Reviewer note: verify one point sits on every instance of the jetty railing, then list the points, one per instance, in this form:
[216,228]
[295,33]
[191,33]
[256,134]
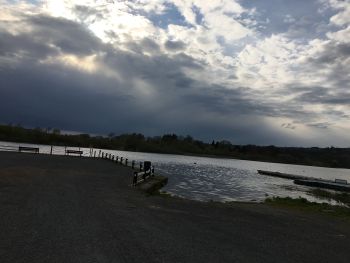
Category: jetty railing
[145,169]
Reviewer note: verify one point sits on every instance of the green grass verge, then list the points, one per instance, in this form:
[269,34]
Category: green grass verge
[305,205]
[332,195]
[162,193]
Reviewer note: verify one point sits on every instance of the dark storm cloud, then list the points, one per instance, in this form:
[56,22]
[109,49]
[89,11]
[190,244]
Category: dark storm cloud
[331,54]
[85,12]
[321,125]
[11,44]
[67,35]
[56,95]
[336,113]
[321,95]
[288,126]
[174,45]
[331,60]
[144,45]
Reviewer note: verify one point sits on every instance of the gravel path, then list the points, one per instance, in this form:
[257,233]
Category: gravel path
[71,209]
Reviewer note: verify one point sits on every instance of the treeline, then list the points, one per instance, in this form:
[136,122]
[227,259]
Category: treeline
[171,143]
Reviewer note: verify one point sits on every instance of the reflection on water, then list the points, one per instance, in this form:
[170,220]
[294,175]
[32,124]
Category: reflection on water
[218,179]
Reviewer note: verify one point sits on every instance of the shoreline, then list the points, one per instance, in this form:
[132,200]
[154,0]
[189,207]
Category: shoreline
[228,157]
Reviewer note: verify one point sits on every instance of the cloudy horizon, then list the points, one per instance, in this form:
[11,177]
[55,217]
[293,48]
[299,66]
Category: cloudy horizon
[271,72]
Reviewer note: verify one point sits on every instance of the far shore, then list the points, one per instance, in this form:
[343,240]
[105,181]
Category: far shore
[226,157]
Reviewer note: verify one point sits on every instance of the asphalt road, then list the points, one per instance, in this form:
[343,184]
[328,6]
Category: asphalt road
[67,209]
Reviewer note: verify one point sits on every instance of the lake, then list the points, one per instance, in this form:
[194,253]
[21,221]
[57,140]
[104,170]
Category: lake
[217,179]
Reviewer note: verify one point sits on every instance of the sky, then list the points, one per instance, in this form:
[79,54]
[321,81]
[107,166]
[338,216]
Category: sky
[266,72]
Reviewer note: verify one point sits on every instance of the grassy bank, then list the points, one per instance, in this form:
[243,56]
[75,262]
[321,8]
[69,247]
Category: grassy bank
[339,197]
[303,204]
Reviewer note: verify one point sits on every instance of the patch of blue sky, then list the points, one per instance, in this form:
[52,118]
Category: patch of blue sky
[170,16]
[199,15]
[233,48]
[297,19]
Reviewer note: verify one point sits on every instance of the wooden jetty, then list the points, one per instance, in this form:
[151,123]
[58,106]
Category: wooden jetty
[327,185]
[283,175]
[337,184]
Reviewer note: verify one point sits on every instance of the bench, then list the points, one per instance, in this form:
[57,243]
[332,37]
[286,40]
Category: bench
[74,152]
[341,181]
[28,149]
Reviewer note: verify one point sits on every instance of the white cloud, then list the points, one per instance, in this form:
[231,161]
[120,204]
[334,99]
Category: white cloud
[342,35]
[343,16]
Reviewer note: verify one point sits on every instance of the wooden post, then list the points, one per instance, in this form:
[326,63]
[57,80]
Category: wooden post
[94,154]
[51,150]
[99,154]
[121,160]
[126,162]
[134,181]
[133,164]
[116,159]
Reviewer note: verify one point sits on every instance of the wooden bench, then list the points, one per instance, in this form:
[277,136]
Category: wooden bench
[74,152]
[28,149]
[341,181]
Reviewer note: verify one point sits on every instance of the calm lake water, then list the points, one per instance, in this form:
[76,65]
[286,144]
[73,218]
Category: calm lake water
[217,179]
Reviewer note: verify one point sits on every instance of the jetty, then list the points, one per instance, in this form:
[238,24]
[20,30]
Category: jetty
[345,187]
[282,175]
[337,184]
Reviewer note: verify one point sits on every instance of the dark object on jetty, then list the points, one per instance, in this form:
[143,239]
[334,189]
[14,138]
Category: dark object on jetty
[147,165]
[283,175]
[322,184]
[28,149]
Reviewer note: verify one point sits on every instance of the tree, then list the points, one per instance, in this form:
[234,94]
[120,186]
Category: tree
[56,131]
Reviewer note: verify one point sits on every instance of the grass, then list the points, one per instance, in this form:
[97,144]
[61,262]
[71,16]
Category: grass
[305,205]
[339,197]
[162,193]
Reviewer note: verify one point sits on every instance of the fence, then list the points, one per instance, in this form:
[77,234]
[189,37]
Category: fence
[145,170]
